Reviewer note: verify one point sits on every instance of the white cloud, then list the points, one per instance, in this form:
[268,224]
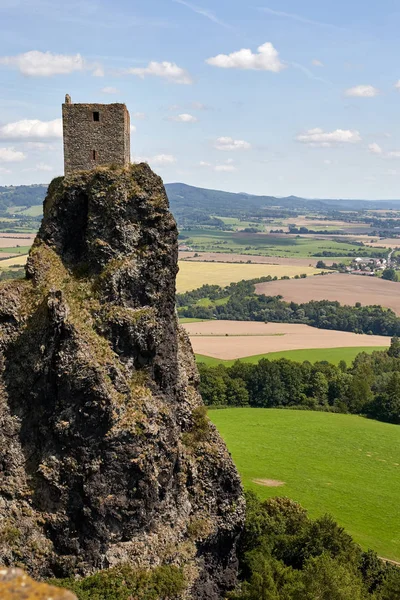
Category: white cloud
[199,106]
[228,144]
[317,63]
[5,171]
[204,13]
[393,154]
[45,64]
[299,18]
[43,167]
[392,172]
[363,91]
[110,90]
[318,137]
[327,162]
[184,118]
[397,85]
[139,115]
[133,128]
[166,70]
[375,148]
[227,167]
[159,160]
[267,59]
[31,129]
[9,155]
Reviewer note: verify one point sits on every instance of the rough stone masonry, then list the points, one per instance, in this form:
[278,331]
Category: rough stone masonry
[95,135]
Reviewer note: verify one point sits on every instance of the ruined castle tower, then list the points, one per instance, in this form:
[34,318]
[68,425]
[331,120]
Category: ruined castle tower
[95,135]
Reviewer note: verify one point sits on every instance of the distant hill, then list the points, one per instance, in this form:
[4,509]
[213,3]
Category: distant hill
[21,195]
[196,206]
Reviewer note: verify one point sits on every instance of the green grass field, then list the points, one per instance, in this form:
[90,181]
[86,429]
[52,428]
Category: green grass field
[210,240]
[344,465]
[16,250]
[332,355]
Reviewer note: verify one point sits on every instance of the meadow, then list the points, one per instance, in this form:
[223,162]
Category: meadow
[312,355]
[344,465]
[192,276]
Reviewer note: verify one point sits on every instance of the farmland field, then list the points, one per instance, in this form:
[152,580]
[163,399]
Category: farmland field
[11,262]
[209,240]
[9,240]
[191,277]
[344,465]
[238,258]
[230,340]
[346,289]
[313,355]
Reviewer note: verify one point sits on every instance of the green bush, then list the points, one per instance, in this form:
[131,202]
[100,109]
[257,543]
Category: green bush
[126,583]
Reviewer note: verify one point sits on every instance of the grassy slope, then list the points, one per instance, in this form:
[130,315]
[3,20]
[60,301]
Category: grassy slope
[341,464]
[332,355]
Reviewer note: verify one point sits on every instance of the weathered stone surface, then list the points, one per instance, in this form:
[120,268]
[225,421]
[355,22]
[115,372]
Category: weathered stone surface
[16,585]
[89,143]
[106,455]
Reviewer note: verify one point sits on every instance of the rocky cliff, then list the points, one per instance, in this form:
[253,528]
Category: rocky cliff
[106,455]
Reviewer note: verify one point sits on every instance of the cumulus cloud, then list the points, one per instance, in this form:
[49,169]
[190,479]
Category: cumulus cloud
[317,63]
[397,85]
[183,118]
[133,128]
[393,154]
[228,144]
[319,137]
[45,64]
[166,70]
[9,155]
[363,91]
[159,160]
[139,115]
[267,59]
[31,129]
[110,90]
[375,148]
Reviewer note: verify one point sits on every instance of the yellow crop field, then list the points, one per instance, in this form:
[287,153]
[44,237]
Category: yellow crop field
[11,262]
[194,275]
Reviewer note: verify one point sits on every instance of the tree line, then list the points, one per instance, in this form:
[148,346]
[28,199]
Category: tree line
[284,555]
[239,302]
[370,387]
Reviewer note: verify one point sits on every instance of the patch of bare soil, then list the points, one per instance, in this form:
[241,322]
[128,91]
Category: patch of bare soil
[268,482]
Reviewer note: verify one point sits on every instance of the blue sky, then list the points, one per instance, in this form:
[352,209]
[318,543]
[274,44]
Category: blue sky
[265,97]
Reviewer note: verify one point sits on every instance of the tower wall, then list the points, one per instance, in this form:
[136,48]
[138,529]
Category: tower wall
[95,135]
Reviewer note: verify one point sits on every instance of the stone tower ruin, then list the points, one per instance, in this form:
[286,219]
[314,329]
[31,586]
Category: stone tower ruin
[95,135]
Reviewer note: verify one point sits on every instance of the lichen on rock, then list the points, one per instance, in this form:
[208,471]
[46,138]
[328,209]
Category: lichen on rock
[106,455]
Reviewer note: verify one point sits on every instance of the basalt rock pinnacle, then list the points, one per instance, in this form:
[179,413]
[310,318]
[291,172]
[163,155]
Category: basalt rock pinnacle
[106,455]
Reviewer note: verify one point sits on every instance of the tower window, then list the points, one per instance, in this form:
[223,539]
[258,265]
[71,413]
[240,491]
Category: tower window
[96,116]
[94,155]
